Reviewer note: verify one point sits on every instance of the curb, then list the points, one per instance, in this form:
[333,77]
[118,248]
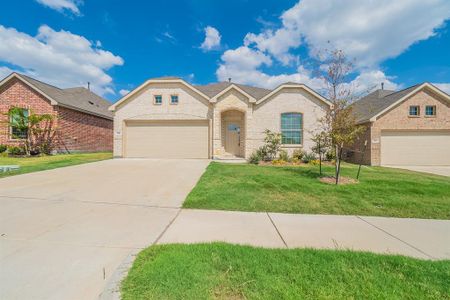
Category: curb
[112,288]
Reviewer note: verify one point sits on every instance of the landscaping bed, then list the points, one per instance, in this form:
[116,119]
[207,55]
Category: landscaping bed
[297,189]
[224,271]
[46,162]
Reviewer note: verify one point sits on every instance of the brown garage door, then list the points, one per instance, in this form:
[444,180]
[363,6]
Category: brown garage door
[415,148]
[167,139]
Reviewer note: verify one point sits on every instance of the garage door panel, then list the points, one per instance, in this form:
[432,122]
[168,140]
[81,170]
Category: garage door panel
[415,148]
[167,139]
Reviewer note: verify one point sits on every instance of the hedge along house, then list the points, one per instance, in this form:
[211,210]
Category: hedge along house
[407,127]
[170,118]
[82,120]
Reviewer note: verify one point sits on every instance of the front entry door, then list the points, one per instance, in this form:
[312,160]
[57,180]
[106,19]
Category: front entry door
[232,138]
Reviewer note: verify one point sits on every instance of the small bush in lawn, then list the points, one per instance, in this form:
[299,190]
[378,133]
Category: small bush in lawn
[16,150]
[309,157]
[283,155]
[255,158]
[298,154]
[3,148]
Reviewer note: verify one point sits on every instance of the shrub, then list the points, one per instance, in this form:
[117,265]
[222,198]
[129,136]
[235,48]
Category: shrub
[298,154]
[262,153]
[309,157]
[314,162]
[15,150]
[3,148]
[255,157]
[283,155]
[272,143]
[278,162]
[330,155]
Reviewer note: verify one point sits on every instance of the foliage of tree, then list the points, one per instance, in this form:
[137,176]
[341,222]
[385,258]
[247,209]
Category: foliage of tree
[338,127]
[35,131]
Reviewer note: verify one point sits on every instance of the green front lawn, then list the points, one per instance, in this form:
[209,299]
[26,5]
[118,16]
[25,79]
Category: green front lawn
[296,189]
[34,164]
[223,271]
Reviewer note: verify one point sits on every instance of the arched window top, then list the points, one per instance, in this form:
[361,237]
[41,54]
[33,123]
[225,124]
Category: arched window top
[292,128]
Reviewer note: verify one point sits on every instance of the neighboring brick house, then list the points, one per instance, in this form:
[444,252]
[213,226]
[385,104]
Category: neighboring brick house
[408,127]
[170,118]
[82,119]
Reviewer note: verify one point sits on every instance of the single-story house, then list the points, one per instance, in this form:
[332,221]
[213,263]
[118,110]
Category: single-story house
[82,119]
[407,127]
[170,118]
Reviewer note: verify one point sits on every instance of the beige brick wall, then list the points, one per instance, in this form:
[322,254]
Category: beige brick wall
[141,107]
[256,118]
[267,115]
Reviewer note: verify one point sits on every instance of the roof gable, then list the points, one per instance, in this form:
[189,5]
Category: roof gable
[215,88]
[156,80]
[294,85]
[251,99]
[370,107]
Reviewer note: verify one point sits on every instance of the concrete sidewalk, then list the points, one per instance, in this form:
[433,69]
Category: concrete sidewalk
[420,238]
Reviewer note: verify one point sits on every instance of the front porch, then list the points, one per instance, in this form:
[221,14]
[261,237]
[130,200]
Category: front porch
[230,135]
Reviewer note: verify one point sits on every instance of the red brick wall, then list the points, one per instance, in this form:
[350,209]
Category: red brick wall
[16,93]
[77,131]
[83,132]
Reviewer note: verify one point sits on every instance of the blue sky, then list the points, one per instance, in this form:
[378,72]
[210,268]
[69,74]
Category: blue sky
[116,45]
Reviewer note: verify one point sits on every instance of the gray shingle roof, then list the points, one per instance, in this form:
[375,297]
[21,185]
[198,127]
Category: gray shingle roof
[375,102]
[213,89]
[77,98]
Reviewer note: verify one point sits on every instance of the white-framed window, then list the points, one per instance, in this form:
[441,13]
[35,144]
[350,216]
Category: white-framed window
[173,99]
[292,128]
[414,110]
[157,99]
[16,124]
[430,110]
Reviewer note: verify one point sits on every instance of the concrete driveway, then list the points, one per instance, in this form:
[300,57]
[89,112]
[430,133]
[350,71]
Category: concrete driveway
[437,170]
[65,231]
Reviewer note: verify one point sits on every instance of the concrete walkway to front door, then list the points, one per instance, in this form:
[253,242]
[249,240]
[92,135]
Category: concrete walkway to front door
[420,238]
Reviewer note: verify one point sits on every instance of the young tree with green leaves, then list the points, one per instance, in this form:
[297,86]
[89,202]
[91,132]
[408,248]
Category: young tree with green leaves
[36,131]
[338,126]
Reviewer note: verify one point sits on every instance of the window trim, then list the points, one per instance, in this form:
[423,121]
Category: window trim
[301,129]
[154,99]
[10,128]
[174,103]
[434,110]
[418,111]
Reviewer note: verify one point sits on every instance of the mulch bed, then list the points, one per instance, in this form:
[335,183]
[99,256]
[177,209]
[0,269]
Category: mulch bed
[342,180]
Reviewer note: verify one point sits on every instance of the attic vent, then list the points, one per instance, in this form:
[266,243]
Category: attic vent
[91,103]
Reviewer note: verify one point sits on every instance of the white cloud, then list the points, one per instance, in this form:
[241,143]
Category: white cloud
[212,39]
[368,31]
[368,81]
[443,86]
[5,71]
[123,92]
[59,57]
[63,5]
